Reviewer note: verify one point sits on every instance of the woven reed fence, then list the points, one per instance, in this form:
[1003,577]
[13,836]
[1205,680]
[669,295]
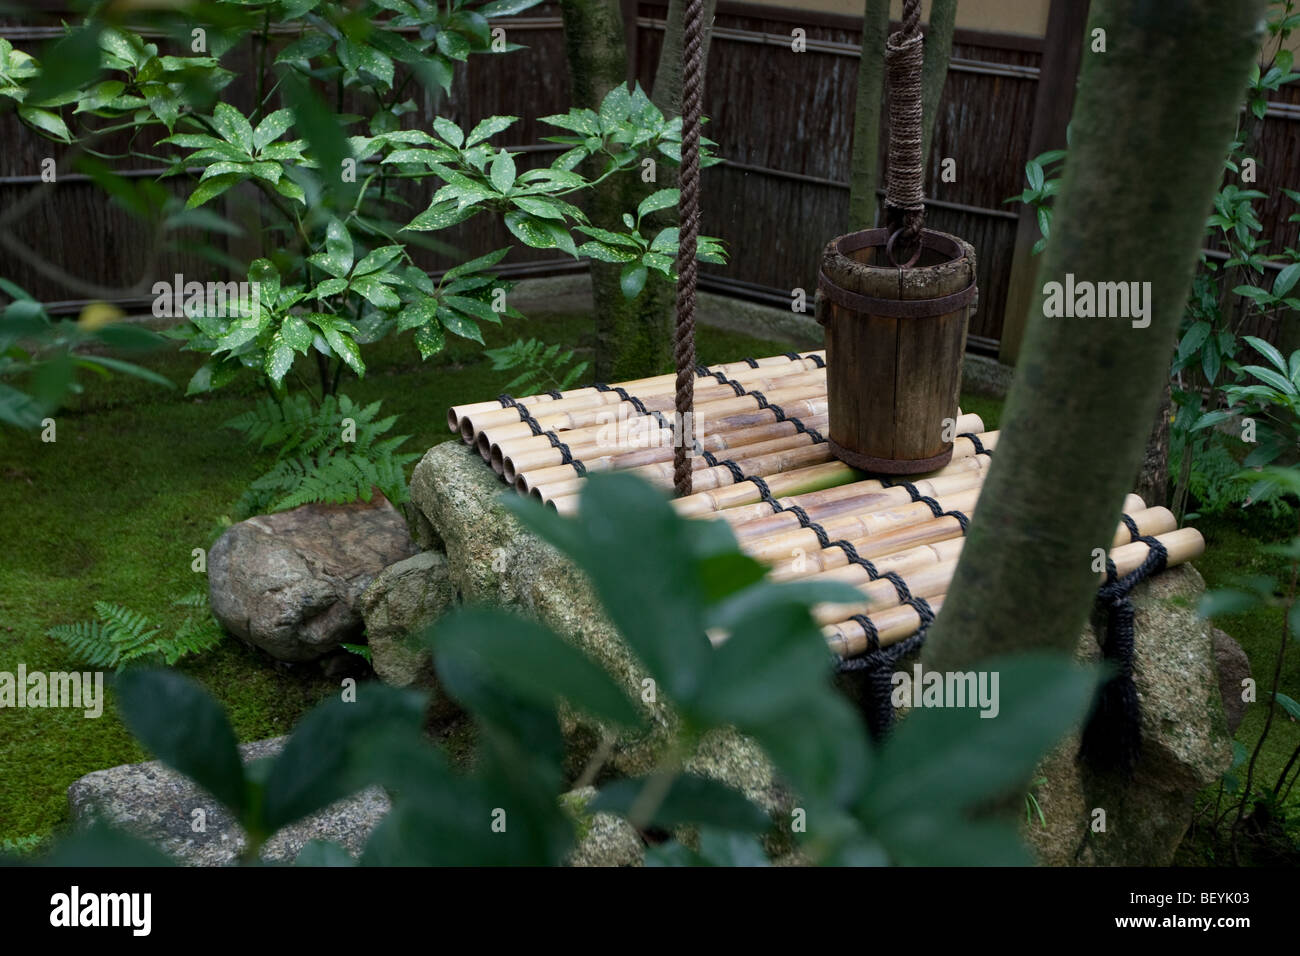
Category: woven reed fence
[783,121]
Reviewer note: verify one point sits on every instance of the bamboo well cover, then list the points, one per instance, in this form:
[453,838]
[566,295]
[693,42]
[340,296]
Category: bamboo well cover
[763,465]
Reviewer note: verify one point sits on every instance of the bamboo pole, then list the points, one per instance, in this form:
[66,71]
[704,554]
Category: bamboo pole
[656,471]
[967,468]
[848,638]
[800,481]
[541,467]
[508,424]
[639,433]
[764,466]
[803,481]
[655,385]
[854,527]
[939,532]
[926,577]
[595,424]
[820,505]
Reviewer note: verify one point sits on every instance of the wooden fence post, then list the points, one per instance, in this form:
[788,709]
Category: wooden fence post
[1062,48]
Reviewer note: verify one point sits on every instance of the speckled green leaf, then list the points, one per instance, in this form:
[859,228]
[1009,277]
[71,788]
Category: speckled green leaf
[233,126]
[429,339]
[296,334]
[460,325]
[272,127]
[417,314]
[376,292]
[440,216]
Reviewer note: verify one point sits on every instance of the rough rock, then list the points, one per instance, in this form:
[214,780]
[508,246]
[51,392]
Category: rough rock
[1186,744]
[158,804]
[604,839]
[491,558]
[1234,667]
[289,582]
[400,602]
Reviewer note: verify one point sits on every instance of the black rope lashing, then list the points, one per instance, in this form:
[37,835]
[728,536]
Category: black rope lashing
[877,663]
[1112,738]
[777,410]
[525,415]
[566,455]
[905,596]
[975,440]
[936,509]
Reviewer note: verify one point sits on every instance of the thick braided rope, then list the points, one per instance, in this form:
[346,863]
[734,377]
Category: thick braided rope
[1112,738]
[684,334]
[904,199]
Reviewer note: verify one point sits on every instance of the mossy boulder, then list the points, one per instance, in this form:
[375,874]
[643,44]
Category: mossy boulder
[1104,819]
[492,559]
[397,607]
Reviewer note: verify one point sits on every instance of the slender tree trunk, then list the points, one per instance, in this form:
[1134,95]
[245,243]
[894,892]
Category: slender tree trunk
[1152,484]
[633,337]
[934,70]
[864,177]
[594,39]
[1151,126]
[668,75]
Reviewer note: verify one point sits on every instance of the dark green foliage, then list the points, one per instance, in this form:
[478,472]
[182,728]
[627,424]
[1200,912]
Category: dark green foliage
[120,636]
[542,365]
[336,453]
[40,359]
[1215,482]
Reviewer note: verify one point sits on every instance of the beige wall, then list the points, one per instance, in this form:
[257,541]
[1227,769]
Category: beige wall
[1002,16]
[999,16]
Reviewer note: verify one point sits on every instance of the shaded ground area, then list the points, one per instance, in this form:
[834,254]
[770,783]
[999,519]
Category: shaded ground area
[140,476]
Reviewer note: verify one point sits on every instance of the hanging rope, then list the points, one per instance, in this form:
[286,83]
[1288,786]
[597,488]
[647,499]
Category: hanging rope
[684,334]
[904,199]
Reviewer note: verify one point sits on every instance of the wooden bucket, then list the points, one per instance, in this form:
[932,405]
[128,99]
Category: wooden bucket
[895,338]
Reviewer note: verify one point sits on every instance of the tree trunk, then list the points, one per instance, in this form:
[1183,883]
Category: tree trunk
[667,92]
[634,337]
[934,69]
[864,177]
[1151,126]
[1152,483]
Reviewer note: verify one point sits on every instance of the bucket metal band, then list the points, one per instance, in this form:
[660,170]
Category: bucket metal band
[894,308]
[889,466]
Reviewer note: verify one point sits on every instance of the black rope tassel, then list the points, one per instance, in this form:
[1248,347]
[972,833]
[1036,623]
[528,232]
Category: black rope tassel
[1112,738]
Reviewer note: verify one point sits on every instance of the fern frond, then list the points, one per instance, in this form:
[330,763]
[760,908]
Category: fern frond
[120,636]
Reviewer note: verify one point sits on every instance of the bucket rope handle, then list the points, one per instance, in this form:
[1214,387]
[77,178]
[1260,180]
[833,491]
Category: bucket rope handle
[904,198]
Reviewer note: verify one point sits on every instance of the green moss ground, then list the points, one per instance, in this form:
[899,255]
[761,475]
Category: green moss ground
[139,476]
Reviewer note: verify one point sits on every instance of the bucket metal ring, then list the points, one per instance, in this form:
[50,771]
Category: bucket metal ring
[889,251]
